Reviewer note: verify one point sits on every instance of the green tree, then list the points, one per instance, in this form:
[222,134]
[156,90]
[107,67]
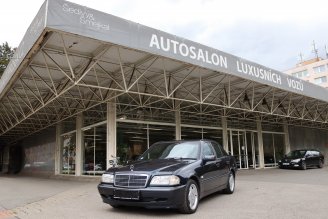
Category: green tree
[6,53]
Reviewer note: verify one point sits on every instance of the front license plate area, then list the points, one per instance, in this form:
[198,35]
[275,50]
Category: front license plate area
[285,164]
[126,194]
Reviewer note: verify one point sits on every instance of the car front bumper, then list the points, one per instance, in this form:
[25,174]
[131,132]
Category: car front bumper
[290,165]
[150,197]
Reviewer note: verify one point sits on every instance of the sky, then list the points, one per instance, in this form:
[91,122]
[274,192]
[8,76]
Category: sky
[271,33]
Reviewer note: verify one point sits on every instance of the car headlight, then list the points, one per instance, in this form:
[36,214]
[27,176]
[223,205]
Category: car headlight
[169,180]
[296,160]
[107,178]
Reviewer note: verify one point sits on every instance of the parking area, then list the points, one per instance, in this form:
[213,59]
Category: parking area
[268,193]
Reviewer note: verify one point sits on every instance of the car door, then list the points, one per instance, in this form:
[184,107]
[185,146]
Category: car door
[316,157]
[309,158]
[222,163]
[209,171]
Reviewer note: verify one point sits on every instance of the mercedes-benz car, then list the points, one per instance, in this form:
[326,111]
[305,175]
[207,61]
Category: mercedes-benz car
[171,174]
[302,159]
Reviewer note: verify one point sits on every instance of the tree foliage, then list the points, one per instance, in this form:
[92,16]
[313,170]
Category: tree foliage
[6,53]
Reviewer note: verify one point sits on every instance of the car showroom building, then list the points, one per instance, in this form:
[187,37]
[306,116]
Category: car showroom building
[85,86]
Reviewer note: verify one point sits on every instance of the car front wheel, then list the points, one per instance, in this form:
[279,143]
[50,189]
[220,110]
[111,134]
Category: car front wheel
[303,166]
[191,198]
[231,184]
[320,165]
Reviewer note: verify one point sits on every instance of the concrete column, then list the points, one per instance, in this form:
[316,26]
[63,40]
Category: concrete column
[111,132]
[79,157]
[58,149]
[225,139]
[177,125]
[260,142]
[286,136]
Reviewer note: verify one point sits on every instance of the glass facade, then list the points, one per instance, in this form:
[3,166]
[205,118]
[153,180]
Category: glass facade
[134,136]
[188,133]
[68,153]
[94,150]
[273,147]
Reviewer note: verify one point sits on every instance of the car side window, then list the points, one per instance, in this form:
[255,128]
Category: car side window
[217,149]
[308,154]
[207,149]
[315,153]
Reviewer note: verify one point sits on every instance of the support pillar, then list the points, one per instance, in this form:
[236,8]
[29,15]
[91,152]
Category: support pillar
[58,150]
[260,142]
[225,140]
[111,132]
[79,145]
[177,125]
[286,136]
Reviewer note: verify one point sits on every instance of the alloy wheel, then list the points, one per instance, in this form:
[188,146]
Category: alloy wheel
[193,197]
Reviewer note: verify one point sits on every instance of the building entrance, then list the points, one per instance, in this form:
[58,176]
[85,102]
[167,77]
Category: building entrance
[244,147]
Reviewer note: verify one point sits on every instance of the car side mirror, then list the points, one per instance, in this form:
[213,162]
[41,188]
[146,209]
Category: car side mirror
[207,158]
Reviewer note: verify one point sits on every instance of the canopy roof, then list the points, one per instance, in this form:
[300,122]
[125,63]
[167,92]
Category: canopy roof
[73,58]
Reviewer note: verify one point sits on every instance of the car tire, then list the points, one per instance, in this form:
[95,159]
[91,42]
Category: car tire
[320,165]
[303,165]
[191,198]
[230,184]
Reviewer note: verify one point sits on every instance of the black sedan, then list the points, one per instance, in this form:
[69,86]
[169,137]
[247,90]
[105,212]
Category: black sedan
[302,159]
[174,174]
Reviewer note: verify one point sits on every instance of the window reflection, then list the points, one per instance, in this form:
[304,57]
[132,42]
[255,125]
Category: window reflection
[134,138]
[68,149]
[94,150]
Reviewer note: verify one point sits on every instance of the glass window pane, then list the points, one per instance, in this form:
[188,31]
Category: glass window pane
[189,133]
[131,141]
[213,134]
[69,150]
[279,145]
[161,133]
[268,150]
[95,150]
[217,149]
[319,69]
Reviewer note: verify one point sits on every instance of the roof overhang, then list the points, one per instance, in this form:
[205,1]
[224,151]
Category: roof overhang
[73,58]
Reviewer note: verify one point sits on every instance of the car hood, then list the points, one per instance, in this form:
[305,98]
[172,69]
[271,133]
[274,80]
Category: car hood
[160,165]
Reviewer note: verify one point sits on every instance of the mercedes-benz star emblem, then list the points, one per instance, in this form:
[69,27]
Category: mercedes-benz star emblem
[131,167]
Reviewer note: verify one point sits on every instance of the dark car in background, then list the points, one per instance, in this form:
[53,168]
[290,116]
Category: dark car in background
[302,159]
[172,174]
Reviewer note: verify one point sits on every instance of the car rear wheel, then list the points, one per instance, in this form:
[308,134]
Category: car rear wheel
[303,166]
[231,184]
[320,165]
[191,198]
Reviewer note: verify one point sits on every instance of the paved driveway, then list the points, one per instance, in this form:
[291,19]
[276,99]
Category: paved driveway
[269,193]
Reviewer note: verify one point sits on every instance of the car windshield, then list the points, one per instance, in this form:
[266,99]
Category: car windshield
[172,150]
[297,153]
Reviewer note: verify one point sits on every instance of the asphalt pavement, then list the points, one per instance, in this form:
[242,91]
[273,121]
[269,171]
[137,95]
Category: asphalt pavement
[268,193]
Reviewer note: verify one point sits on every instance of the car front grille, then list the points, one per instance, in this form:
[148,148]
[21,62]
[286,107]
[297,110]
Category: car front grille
[131,180]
